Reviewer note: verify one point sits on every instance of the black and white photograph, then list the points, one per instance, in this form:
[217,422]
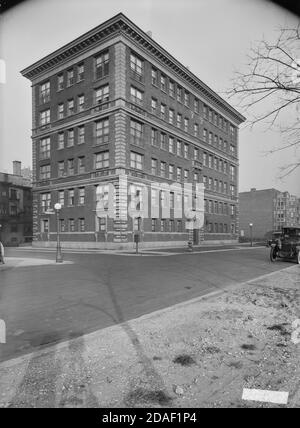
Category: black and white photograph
[149,207]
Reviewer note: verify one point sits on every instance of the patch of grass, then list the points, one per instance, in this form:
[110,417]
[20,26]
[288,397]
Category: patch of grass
[184,360]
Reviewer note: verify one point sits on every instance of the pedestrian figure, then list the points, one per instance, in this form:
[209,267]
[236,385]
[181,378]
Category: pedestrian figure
[1,253]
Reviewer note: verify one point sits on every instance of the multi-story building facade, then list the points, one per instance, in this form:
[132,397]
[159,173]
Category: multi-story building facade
[15,207]
[268,210]
[114,107]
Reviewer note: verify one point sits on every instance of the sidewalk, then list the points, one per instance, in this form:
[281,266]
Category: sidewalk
[15,262]
[200,353]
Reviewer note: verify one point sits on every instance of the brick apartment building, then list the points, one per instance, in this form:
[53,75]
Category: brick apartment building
[111,107]
[268,210]
[15,207]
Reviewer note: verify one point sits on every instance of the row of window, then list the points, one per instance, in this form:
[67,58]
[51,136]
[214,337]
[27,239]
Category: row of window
[218,207]
[161,140]
[69,225]
[67,138]
[219,165]
[163,225]
[101,160]
[75,74]
[63,197]
[175,91]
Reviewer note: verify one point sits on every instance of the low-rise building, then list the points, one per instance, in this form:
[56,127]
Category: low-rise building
[267,210]
[15,207]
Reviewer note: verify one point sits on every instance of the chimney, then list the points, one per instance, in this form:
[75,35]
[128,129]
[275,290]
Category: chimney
[17,165]
[149,33]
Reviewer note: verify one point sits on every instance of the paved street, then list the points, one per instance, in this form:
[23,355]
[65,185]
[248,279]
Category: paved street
[45,304]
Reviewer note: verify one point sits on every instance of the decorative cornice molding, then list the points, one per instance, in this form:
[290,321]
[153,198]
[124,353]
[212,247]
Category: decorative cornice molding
[122,25]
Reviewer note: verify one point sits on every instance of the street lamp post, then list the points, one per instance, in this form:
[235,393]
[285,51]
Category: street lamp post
[1,247]
[251,233]
[59,258]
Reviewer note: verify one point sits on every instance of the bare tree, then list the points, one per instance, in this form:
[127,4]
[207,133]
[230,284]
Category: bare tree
[269,90]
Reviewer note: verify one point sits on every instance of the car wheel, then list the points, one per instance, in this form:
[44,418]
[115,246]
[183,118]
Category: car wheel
[273,254]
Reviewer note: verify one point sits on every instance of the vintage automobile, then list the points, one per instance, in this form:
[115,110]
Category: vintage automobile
[287,245]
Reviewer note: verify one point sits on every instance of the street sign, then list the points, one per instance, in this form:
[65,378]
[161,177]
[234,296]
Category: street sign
[49,212]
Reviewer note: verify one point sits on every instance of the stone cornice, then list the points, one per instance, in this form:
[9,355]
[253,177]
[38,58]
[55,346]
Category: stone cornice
[122,25]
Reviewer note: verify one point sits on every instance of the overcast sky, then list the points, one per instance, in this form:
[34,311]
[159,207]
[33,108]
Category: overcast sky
[211,37]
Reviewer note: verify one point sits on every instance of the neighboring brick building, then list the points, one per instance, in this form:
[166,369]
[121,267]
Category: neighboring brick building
[15,207]
[112,106]
[267,210]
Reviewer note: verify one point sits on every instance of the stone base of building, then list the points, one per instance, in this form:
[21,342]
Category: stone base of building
[127,245]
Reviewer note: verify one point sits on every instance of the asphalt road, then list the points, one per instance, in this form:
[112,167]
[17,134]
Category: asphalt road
[48,304]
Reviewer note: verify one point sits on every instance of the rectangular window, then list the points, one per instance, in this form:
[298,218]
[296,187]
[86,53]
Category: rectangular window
[186,151]
[210,115]
[186,99]
[154,105]
[81,196]
[163,84]
[232,172]
[45,117]
[179,225]
[81,164]
[210,137]
[102,65]
[216,164]
[205,159]
[136,132]
[71,197]
[186,175]
[163,225]
[80,102]
[45,92]
[210,161]
[102,96]
[45,225]
[216,140]
[60,141]
[136,67]
[179,120]
[70,137]
[172,200]
[136,160]
[163,144]
[45,148]
[171,172]
[178,175]
[232,190]
[80,72]
[186,124]
[225,187]
[70,77]
[71,168]
[196,176]
[70,107]
[225,167]
[102,131]
[45,201]
[45,172]
[61,197]
[136,96]
[204,134]
[61,168]
[60,111]
[210,183]
[179,148]
[81,224]
[61,225]
[154,77]
[163,169]
[154,140]
[196,105]
[171,145]
[172,89]
[171,116]
[60,82]
[196,153]
[179,94]
[196,129]
[153,225]
[81,133]
[154,166]
[71,225]
[101,160]
[205,181]
[163,111]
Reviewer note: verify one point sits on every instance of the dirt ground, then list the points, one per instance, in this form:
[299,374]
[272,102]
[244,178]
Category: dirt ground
[200,353]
